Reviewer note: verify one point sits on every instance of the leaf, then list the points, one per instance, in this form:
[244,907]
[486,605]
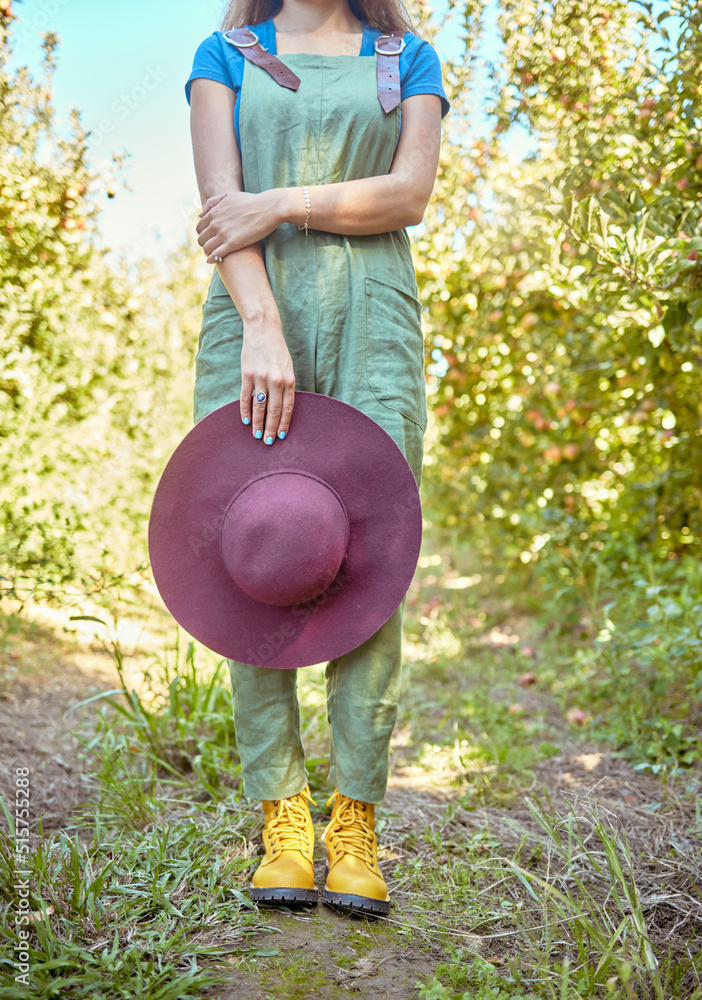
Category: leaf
[604,220]
[618,201]
[95,697]
[681,265]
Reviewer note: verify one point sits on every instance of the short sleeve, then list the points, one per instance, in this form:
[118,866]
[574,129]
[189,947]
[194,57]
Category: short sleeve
[216,60]
[421,73]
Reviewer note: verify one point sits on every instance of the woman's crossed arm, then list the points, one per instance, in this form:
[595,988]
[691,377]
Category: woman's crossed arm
[233,219]
[265,360]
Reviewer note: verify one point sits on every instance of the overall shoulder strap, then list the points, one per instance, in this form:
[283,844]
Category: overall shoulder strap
[388,49]
[248,44]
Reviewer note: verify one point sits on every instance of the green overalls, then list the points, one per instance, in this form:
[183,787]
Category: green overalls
[351,320]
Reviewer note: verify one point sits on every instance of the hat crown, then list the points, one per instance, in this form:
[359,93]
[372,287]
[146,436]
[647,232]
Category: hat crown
[284,536]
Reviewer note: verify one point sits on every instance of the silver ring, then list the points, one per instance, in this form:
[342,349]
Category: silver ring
[218,258]
[260,396]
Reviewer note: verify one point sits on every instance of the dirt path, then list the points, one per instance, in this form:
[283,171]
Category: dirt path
[324,955]
[42,680]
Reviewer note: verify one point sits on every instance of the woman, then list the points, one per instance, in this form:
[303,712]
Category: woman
[305,201]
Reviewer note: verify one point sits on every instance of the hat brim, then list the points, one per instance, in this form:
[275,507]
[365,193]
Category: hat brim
[332,440]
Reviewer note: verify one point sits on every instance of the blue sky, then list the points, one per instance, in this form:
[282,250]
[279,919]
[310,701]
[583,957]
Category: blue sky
[124,66]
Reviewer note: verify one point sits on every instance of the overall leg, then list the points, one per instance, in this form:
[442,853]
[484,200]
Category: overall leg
[267,723]
[363,689]
[363,686]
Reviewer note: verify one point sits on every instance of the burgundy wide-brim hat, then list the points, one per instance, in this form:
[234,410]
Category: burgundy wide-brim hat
[289,554]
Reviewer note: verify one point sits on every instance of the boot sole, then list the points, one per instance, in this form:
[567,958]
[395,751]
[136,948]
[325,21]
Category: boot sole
[285,896]
[346,902]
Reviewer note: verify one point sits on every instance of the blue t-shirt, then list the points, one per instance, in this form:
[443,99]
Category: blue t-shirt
[217,59]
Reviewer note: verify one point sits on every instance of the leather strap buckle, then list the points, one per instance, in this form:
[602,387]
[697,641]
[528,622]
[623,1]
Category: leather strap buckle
[389,52]
[242,45]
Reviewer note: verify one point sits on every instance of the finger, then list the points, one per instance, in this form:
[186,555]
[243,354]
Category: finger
[245,398]
[211,243]
[286,408]
[205,223]
[213,200]
[207,235]
[259,410]
[274,406]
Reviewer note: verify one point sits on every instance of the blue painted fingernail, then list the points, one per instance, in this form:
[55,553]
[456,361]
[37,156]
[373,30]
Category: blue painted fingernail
[246,420]
[259,434]
[281,435]
[269,440]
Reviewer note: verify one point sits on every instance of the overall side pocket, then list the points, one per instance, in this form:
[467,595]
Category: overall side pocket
[395,350]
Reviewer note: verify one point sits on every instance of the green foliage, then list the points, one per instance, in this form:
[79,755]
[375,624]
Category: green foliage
[471,980]
[94,358]
[563,306]
[563,294]
[640,678]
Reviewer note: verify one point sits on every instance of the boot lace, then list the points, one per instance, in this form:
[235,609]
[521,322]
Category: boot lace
[288,828]
[350,830]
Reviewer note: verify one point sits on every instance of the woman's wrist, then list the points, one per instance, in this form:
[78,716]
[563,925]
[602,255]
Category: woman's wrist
[289,205]
[244,275]
[262,322]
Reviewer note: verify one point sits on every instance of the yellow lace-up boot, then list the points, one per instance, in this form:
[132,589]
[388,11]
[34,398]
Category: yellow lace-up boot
[286,874]
[354,882]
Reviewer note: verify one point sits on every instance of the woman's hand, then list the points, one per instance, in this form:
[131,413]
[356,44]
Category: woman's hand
[266,366]
[235,220]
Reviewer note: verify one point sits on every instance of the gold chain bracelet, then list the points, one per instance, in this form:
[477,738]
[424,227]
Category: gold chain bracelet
[308,209]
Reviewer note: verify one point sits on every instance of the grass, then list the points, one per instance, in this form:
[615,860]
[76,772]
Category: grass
[470,711]
[179,729]
[563,905]
[571,919]
[560,901]
[140,915]
[633,656]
